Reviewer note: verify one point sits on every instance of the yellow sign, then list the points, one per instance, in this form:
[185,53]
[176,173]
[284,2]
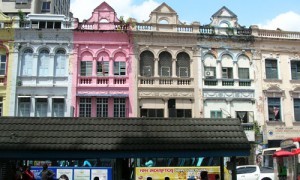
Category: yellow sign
[178,173]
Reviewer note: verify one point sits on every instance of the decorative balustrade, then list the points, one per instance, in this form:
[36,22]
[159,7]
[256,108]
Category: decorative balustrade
[94,81]
[278,34]
[166,81]
[228,82]
[184,29]
[207,30]
[144,27]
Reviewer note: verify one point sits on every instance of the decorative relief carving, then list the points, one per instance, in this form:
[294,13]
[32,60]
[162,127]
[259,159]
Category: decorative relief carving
[166,94]
[231,94]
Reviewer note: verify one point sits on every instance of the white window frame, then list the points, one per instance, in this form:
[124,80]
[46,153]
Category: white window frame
[43,63]
[185,70]
[58,108]
[167,69]
[24,107]
[60,65]
[27,63]
[41,107]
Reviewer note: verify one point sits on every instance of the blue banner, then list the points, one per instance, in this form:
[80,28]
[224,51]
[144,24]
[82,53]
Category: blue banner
[75,173]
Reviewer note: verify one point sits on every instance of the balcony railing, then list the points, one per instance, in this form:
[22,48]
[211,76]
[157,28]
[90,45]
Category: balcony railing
[166,81]
[98,81]
[228,82]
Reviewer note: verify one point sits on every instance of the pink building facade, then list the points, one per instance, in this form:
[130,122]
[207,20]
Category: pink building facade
[102,66]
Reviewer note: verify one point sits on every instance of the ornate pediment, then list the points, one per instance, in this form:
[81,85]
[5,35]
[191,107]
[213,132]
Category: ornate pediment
[274,91]
[164,14]
[224,18]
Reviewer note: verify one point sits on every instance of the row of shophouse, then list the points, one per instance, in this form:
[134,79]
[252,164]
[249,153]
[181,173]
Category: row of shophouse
[55,66]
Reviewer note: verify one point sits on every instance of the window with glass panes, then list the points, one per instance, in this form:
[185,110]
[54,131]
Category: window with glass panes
[119,107]
[43,63]
[183,65]
[274,109]
[295,70]
[245,116]
[24,107]
[60,63]
[227,72]
[243,73]
[102,107]
[58,107]
[165,64]
[215,114]
[26,67]
[271,69]
[102,68]
[86,68]
[120,68]
[297,109]
[146,64]
[152,112]
[2,64]
[85,107]
[1,106]
[46,6]
[41,107]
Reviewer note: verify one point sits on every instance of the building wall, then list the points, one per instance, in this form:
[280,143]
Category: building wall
[6,49]
[97,44]
[40,79]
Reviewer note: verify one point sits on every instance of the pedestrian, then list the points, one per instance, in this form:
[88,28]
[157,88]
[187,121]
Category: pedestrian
[46,173]
[204,175]
[63,177]
[28,175]
[19,173]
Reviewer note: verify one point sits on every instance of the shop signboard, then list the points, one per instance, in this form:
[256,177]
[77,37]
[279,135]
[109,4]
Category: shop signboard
[76,173]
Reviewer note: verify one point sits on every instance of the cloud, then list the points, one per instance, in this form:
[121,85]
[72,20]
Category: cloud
[83,9]
[288,21]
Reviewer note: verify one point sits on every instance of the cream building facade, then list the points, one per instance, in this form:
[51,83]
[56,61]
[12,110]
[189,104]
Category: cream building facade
[166,61]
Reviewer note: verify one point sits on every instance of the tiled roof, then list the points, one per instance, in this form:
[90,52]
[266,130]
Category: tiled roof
[113,134]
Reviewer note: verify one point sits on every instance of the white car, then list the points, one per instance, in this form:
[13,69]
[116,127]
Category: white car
[254,172]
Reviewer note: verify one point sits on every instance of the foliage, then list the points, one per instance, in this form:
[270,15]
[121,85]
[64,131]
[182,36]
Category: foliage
[21,15]
[256,127]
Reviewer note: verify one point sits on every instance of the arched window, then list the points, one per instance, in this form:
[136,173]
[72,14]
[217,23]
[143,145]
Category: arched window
[227,67]
[165,64]
[183,65]
[43,63]
[2,61]
[163,21]
[60,63]
[86,64]
[146,64]
[243,67]
[210,63]
[26,64]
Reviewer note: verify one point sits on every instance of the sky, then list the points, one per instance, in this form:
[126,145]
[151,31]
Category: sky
[267,14]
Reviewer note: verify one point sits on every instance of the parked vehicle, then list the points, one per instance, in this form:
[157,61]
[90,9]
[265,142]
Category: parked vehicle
[254,172]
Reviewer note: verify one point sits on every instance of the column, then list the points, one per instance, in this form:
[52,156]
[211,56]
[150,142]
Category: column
[219,69]
[173,67]
[166,110]
[235,70]
[156,67]
[50,109]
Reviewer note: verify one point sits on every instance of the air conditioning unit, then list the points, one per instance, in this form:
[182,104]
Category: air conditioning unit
[209,74]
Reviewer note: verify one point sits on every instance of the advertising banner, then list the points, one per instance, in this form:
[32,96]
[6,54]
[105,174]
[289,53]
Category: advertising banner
[76,173]
[180,173]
